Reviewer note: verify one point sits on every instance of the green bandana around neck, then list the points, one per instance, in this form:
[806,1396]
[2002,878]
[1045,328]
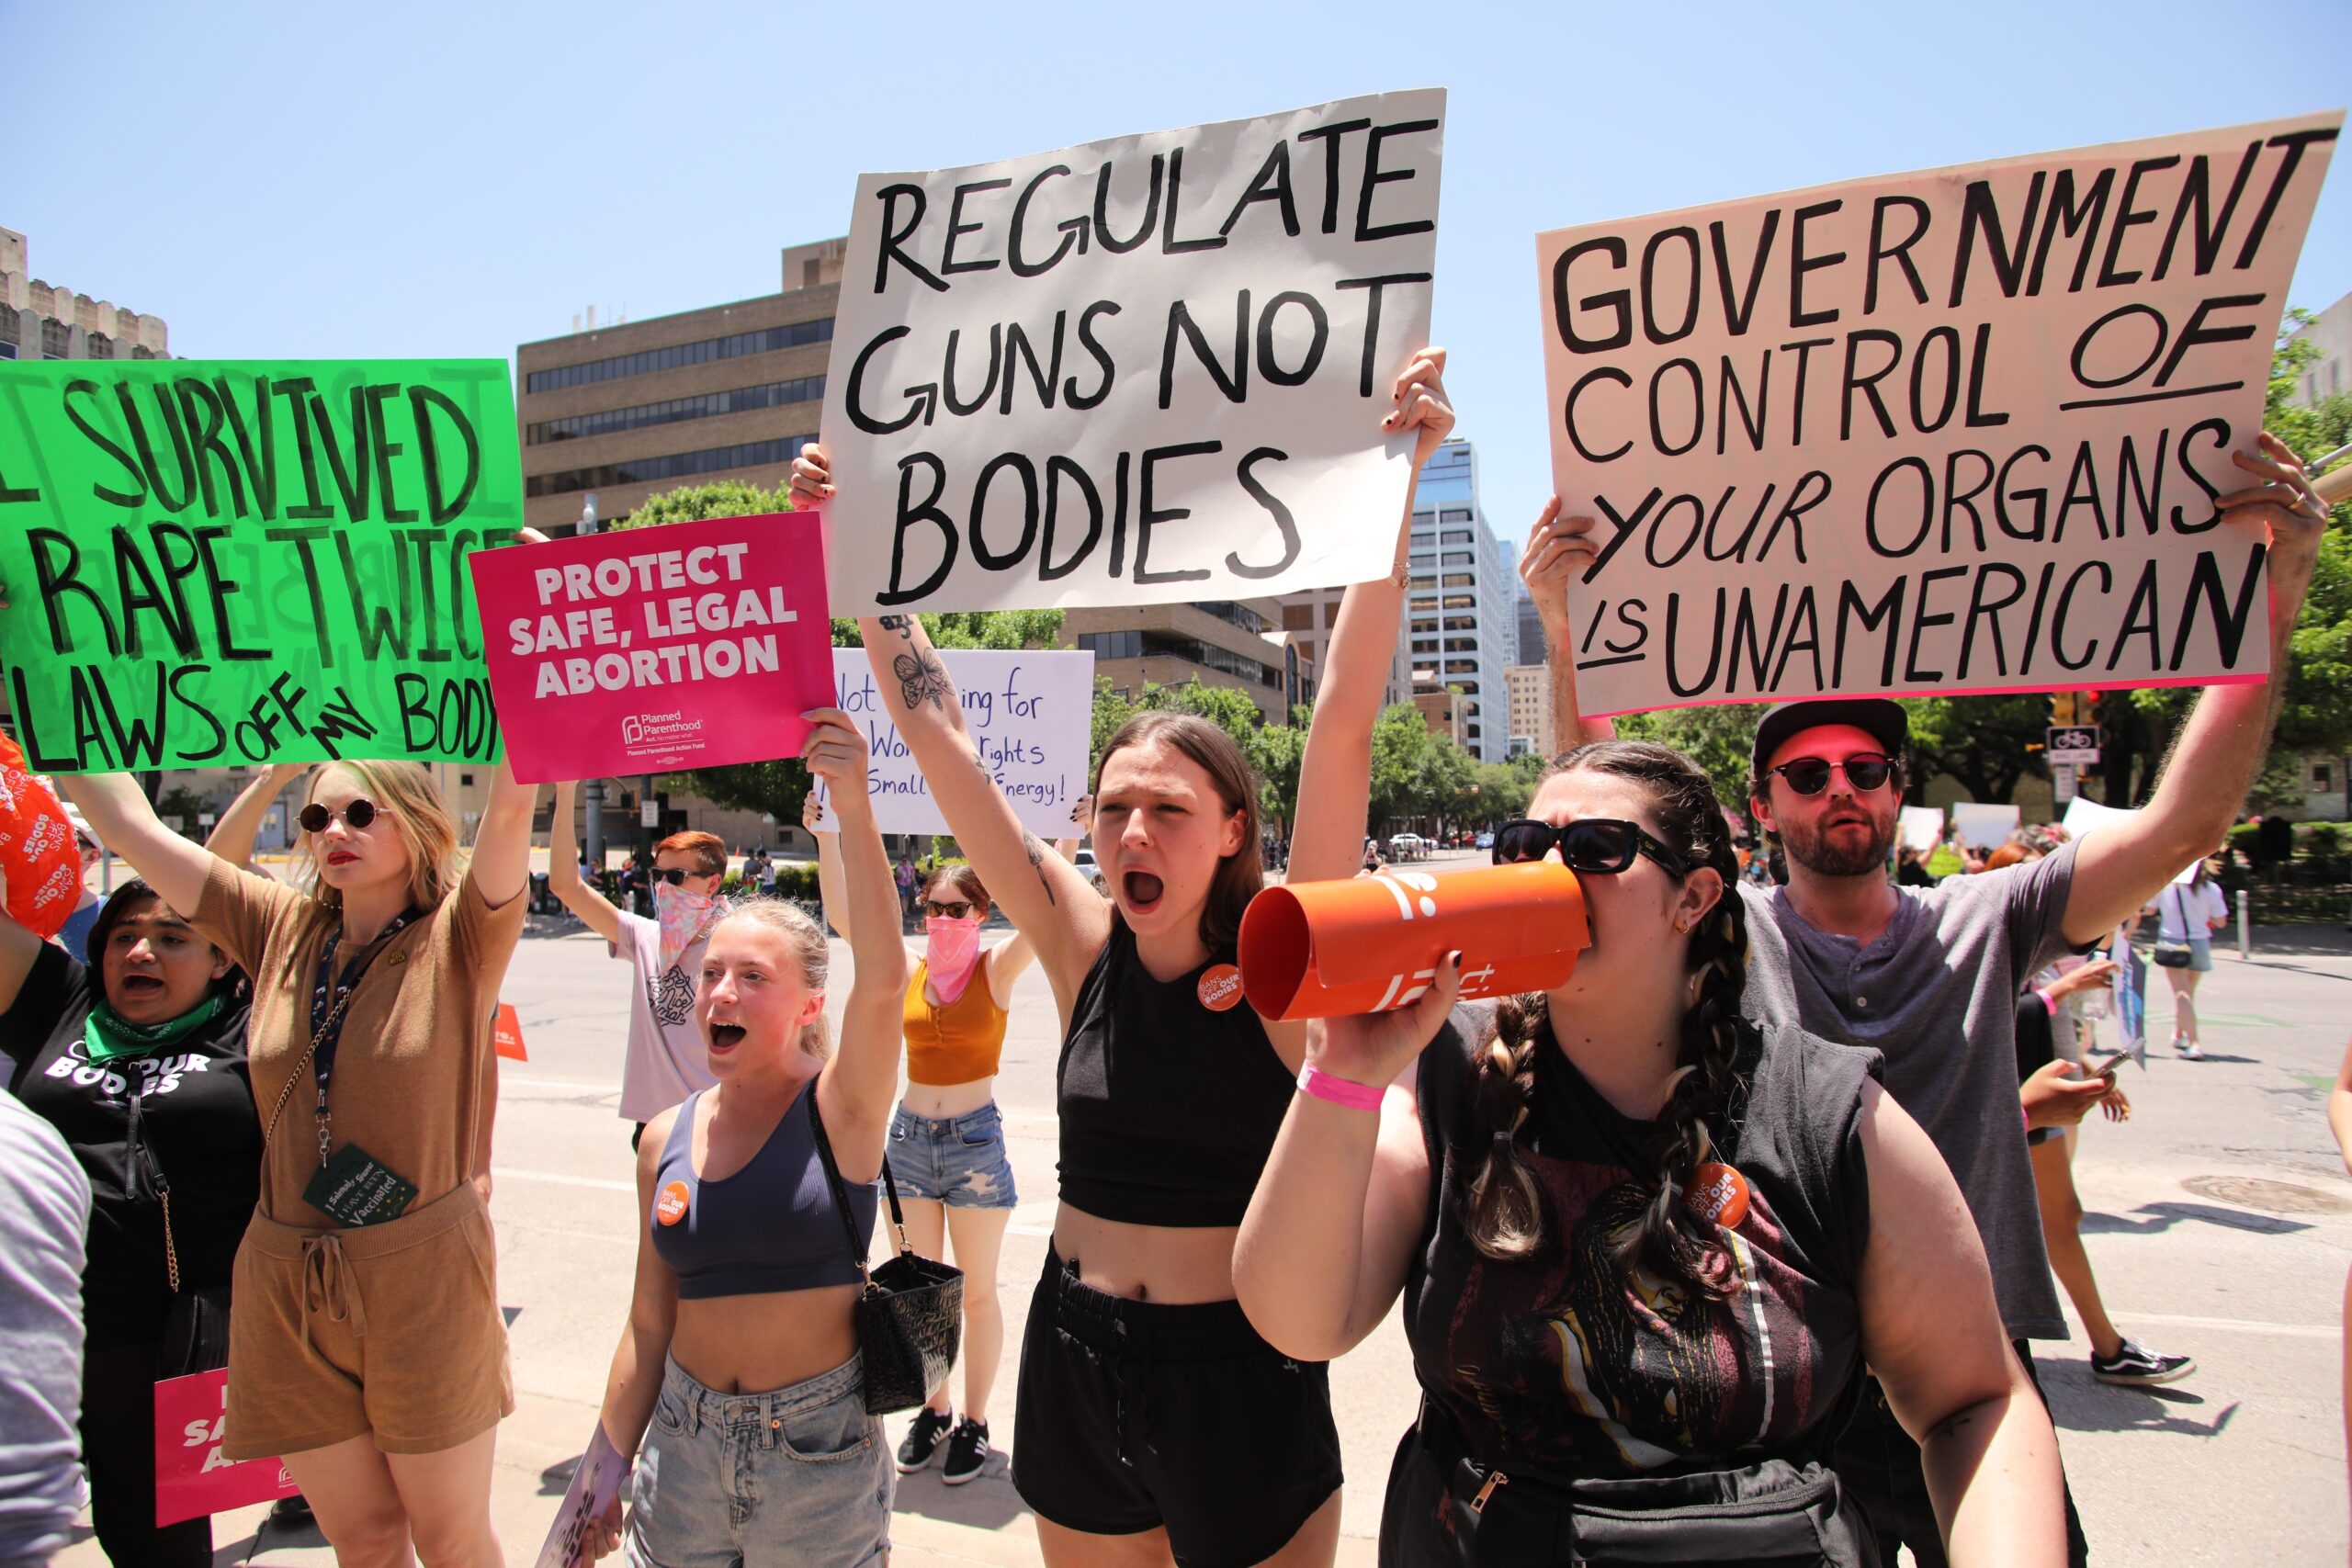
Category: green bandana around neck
[107,1036]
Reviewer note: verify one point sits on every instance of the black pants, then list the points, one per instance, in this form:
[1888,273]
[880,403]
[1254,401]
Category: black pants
[119,1445]
[1880,1469]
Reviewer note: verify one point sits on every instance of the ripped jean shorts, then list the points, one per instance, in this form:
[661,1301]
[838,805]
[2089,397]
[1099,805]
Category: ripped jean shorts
[957,1160]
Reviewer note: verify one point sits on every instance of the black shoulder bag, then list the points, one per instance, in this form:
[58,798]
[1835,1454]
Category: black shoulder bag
[196,1330]
[911,1316]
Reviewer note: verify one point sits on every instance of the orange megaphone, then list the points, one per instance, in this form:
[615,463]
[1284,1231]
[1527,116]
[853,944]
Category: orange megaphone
[1372,943]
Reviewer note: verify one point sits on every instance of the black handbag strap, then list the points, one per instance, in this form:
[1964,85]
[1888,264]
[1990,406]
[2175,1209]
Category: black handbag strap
[858,1243]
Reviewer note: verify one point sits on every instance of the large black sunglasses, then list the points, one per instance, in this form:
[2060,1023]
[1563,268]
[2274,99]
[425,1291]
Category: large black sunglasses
[314,817]
[1866,771]
[1598,846]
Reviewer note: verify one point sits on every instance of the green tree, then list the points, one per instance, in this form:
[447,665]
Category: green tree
[778,785]
[1719,738]
[1400,739]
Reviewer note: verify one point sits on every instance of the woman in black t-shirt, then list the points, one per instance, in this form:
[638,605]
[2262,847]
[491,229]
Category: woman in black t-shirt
[1643,1249]
[158,1012]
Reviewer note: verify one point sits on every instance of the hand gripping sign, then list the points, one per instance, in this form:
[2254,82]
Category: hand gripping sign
[1372,943]
[37,851]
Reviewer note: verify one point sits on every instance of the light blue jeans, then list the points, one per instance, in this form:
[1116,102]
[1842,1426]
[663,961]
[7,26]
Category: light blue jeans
[797,1476]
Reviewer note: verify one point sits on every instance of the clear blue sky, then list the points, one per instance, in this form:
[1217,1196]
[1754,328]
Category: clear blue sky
[454,179]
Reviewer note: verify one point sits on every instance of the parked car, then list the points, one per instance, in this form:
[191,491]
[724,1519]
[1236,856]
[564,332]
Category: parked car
[1485,841]
[1407,846]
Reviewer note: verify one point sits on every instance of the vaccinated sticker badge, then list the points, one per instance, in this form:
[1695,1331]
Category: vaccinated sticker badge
[670,1204]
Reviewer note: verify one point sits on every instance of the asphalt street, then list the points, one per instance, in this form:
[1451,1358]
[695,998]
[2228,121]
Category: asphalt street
[2220,1223]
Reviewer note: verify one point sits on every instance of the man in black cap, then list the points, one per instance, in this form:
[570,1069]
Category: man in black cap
[1931,976]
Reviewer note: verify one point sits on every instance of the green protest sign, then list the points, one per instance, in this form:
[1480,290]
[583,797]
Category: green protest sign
[221,562]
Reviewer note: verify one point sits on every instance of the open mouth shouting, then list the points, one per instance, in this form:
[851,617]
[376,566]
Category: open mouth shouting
[724,1036]
[142,988]
[1141,891]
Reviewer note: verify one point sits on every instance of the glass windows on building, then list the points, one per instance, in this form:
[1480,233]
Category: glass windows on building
[1169,645]
[740,399]
[767,339]
[677,466]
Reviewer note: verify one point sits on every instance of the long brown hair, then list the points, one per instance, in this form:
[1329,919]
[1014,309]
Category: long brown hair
[1504,1206]
[1239,875]
[959,875]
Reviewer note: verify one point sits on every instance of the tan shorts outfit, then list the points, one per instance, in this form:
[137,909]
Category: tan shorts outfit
[391,1330]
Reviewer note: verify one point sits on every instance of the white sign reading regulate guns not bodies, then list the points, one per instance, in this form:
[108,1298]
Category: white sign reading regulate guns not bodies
[1141,371]
[1959,431]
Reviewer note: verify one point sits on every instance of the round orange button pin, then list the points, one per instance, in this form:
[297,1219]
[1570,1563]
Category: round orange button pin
[670,1205]
[1220,987]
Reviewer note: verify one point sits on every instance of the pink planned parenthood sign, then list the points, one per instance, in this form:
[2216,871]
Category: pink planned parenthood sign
[687,646]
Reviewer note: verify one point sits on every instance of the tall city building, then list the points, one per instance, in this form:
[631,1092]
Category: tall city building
[1458,606]
[1220,642]
[1530,639]
[730,391]
[1532,724]
[42,321]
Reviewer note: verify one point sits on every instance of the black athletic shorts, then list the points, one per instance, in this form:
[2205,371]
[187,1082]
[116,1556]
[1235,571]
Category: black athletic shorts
[1132,1414]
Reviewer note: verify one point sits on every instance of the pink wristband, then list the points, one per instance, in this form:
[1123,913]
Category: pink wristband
[1339,1091]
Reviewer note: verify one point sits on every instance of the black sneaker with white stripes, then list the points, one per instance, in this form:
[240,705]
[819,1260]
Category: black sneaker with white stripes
[967,1451]
[2136,1366]
[923,1442]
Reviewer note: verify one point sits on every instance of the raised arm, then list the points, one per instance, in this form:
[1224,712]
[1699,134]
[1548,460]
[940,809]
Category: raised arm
[118,813]
[833,885]
[1933,1333]
[2222,745]
[502,859]
[18,948]
[862,1079]
[1558,549]
[1329,1238]
[635,1380]
[563,872]
[232,836]
[1336,772]
[1007,958]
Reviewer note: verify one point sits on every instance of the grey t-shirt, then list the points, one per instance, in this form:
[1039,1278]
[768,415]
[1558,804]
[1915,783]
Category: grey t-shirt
[44,1221]
[1936,994]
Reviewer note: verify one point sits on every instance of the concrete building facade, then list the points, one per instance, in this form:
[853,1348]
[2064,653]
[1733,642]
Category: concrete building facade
[1532,724]
[43,320]
[1308,617]
[1458,610]
[1446,713]
[1223,642]
[731,391]
[2331,333]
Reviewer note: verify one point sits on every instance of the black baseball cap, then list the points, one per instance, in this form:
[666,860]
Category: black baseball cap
[1882,718]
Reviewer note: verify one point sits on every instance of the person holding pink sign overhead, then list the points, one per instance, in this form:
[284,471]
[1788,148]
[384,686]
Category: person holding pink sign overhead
[738,1384]
[1154,1424]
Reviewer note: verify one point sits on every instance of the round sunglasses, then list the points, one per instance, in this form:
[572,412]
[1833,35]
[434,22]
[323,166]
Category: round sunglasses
[1598,846]
[1865,771]
[314,817]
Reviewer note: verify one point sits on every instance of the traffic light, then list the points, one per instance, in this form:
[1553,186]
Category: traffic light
[2061,709]
[2087,708]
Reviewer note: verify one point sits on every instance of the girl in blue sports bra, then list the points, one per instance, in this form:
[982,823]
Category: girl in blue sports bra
[740,1353]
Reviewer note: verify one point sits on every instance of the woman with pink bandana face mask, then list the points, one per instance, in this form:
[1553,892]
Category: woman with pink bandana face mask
[947,1147]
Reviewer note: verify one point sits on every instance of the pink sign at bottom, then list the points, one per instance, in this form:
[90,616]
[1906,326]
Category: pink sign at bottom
[596,1482]
[692,644]
[191,1478]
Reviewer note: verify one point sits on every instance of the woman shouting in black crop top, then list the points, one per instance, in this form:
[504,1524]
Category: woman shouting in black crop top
[739,1350]
[1153,1424]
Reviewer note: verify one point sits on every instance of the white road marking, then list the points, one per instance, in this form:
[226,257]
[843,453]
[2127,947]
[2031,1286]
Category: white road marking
[601,1184]
[2239,1324]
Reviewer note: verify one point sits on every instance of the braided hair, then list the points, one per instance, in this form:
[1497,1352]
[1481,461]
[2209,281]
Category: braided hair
[1503,1203]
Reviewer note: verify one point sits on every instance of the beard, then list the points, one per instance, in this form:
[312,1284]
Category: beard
[1812,847]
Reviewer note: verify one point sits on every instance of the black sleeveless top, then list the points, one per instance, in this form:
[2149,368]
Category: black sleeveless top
[1554,1363]
[1169,1110]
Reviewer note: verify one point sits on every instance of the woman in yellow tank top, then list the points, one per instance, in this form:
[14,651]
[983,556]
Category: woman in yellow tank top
[947,1148]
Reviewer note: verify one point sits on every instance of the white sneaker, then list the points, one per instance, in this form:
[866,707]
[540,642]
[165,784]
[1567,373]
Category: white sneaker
[2187,1050]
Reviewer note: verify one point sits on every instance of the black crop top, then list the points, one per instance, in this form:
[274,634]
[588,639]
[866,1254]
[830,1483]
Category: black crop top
[1169,1110]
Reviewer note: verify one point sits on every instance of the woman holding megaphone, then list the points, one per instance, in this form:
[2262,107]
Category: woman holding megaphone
[1645,1251]
[1153,1424]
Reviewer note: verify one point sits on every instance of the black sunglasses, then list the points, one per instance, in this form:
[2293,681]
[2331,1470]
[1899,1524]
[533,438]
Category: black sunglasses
[955,912]
[1600,846]
[676,876]
[1865,771]
[314,817]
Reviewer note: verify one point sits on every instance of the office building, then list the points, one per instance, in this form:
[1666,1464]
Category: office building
[1223,642]
[2330,332]
[43,320]
[1531,726]
[731,391]
[1459,600]
[1529,639]
[1446,713]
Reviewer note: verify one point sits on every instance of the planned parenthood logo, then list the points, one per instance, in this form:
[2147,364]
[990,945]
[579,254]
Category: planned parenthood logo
[671,732]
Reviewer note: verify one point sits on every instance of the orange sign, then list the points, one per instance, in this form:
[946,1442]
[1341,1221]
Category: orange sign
[506,1032]
[1372,943]
[670,1204]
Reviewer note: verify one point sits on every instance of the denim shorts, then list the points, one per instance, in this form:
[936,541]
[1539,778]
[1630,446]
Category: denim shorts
[800,1475]
[959,1160]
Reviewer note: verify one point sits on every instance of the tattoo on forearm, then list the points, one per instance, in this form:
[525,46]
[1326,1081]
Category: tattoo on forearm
[1037,863]
[902,625]
[922,678]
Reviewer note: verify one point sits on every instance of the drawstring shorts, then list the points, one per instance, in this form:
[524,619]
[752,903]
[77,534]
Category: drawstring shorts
[1133,1414]
[387,1331]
